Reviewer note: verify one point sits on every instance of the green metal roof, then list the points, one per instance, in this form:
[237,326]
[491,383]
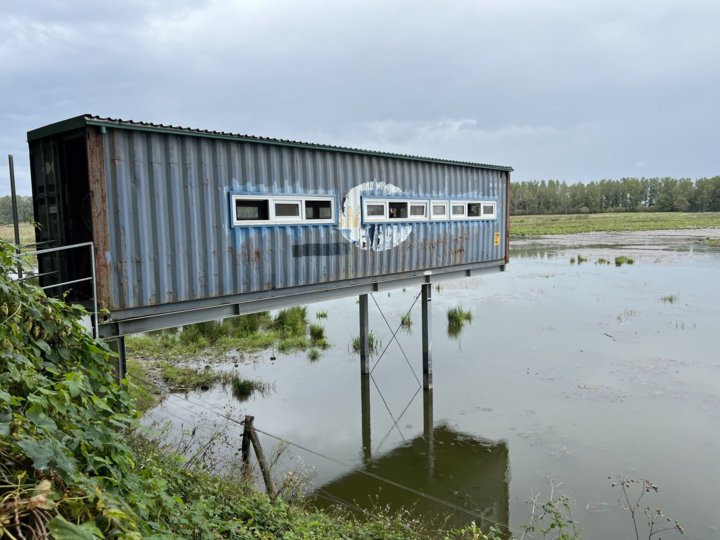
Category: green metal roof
[79,122]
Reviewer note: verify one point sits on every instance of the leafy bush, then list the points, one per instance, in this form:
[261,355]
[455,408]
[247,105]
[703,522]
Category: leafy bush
[62,417]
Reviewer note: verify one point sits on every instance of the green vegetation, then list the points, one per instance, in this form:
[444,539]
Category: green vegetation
[317,337]
[373,344]
[321,314]
[242,389]
[580,223]
[602,260]
[27,233]
[406,321]
[180,378]
[287,332]
[457,318]
[313,354]
[25,211]
[143,392]
[622,259]
[670,299]
[626,195]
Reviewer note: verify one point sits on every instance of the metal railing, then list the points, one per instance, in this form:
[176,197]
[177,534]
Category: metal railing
[90,278]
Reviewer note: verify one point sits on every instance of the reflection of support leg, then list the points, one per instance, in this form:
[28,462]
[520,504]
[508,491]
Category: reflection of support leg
[428,430]
[427,335]
[364,352]
[365,403]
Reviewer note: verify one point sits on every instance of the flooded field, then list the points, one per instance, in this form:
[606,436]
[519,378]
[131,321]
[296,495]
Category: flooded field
[578,372]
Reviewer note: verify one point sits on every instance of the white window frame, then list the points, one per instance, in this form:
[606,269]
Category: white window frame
[467,209]
[274,218]
[494,210]
[458,217]
[428,204]
[272,200]
[375,219]
[424,217]
[445,216]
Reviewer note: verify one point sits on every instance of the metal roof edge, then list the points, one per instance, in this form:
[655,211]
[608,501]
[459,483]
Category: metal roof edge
[90,120]
[63,126]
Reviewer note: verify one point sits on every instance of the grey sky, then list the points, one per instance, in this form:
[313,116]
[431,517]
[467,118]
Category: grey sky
[564,89]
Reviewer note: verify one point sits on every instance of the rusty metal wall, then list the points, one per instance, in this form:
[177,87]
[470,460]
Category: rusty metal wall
[168,217]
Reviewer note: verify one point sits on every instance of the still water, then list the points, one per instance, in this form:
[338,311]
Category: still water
[574,372]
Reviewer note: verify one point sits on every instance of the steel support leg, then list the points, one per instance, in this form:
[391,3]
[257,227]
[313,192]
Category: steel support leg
[365,405]
[117,345]
[429,430]
[427,336]
[364,352]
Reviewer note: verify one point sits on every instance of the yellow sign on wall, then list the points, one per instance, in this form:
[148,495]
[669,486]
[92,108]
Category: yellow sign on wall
[497,238]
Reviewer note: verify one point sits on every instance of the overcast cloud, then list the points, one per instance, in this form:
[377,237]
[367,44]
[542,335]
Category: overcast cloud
[563,89]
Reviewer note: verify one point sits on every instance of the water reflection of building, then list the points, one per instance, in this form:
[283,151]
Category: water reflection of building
[450,466]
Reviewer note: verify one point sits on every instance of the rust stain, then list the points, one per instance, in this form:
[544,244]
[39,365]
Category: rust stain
[101,231]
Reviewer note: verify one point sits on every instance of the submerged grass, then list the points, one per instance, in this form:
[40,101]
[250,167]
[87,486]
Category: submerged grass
[622,259]
[406,321]
[612,222]
[373,344]
[670,299]
[242,389]
[288,331]
[457,318]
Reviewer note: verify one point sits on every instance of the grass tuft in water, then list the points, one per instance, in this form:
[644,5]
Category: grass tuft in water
[317,336]
[406,321]
[242,389]
[313,354]
[321,314]
[669,299]
[602,260]
[622,259]
[457,318]
[373,344]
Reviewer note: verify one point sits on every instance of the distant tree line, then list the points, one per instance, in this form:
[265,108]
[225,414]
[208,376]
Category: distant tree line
[625,195]
[25,209]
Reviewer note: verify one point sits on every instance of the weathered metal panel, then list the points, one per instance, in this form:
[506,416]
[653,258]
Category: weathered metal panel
[161,214]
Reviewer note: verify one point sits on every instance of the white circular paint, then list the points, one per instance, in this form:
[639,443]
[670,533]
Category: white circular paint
[370,236]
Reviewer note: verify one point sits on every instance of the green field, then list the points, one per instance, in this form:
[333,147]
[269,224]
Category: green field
[537,225]
[27,233]
[635,221]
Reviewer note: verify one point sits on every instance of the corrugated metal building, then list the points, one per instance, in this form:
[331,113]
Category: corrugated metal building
[207,224]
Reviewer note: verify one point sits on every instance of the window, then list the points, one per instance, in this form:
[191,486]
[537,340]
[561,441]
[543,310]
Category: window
[391,210]
[318,209]
[286,210]
[251,210]
[418,210]
[375,211]
[488,210]
[458,210]
[439,209]
[473,209]
[397,210]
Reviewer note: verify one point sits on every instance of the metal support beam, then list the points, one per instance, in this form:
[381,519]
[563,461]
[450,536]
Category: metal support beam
[364,352]
[117,346]
[365,411]
[429,430]
[16,218]
[427,335]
